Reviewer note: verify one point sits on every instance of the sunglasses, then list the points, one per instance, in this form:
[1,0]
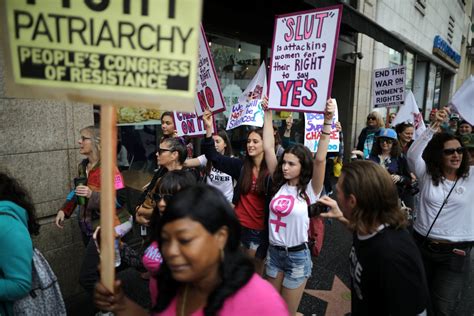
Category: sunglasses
[166,197]
[83,138]
[450,151]
[162,150]
[386,140]
[370,118]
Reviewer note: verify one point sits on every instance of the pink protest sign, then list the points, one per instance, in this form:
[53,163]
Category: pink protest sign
[208,90]
[189,124]
[303,58]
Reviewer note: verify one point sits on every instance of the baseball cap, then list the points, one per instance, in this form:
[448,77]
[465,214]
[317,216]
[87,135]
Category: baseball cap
[454,116]
[388,133]
[468,141]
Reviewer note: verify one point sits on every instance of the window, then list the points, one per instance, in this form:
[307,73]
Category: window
[420,5]
[394,58]
[450,30]
[409,61]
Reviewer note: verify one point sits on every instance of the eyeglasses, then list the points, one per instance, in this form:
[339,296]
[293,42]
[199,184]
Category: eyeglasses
[165,197]
[450,151]
[386,140]
[370,118]
[83,138]
[162,150]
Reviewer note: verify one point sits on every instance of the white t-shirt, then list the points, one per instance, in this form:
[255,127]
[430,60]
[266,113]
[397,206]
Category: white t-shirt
[222,181]
[456,220]
[289,221]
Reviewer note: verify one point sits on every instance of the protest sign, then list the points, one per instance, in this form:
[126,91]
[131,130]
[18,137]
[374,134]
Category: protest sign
[246,113]
[140,53]
[257,88]
[410,113]
[463,100]
[208,90]
[388,86]
[189,124]
[303,58]
[314,123]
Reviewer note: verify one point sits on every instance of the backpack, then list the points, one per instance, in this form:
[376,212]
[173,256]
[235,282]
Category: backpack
[315,231]
[45,296]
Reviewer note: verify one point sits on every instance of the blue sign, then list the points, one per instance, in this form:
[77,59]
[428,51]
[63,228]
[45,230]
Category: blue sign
[443,46]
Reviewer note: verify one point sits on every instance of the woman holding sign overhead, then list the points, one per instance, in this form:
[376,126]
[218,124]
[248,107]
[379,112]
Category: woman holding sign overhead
[252,186]
[297,183]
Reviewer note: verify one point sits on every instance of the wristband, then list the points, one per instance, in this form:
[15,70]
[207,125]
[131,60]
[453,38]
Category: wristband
[330,124]
[325,133]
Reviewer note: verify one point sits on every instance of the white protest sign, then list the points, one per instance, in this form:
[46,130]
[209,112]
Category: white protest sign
[410,113]
[208,90]
[303,58]
[257,88]
[248,113]
[388,86]
[463,100]
[314,123]
[189,124]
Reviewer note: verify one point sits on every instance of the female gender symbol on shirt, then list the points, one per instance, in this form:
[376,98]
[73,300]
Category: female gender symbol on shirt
[281,207]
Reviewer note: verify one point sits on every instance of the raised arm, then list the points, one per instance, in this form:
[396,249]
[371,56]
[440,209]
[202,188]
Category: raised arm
[228,165]
[319,164]
[415,161]
[192,163]
[269,140]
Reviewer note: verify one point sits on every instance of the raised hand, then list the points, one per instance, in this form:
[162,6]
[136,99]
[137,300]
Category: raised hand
[330,109]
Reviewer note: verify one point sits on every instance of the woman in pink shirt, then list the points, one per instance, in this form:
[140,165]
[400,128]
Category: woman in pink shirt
[203,271]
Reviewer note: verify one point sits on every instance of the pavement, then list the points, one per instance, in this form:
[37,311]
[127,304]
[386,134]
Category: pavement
[328,290]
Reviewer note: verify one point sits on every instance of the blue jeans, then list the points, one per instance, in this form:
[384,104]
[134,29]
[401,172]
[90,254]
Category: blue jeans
[295,265]
[446,273]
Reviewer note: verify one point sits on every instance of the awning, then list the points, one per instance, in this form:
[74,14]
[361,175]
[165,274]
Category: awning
[363,24]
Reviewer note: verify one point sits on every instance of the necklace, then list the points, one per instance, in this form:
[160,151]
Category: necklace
[183,304]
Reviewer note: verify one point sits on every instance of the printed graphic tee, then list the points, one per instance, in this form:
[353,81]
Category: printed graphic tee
[388,276]
[220,180]
[289,221]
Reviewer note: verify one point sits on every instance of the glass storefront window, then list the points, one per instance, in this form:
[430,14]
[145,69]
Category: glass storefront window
[394,58]
[236,64]
[430,90]
[437,88]
[410,64]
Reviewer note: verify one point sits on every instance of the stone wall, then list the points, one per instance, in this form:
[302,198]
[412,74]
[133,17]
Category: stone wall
[38,146]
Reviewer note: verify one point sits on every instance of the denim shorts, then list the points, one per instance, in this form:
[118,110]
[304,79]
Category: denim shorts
[296,266]
[251,238]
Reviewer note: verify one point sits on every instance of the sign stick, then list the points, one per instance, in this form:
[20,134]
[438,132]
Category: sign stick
[108,132]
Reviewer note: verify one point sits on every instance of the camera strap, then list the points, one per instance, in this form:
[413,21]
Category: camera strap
[442,205]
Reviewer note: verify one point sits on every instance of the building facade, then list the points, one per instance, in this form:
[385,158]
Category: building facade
[433,38]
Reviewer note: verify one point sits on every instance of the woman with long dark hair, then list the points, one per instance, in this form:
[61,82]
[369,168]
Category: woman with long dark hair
[204,271]
[386,152]
[444,228]
[251,189]
[211,175]
[297,182]
[17,224]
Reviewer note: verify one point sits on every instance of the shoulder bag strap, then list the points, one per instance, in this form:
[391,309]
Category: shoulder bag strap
[444,203]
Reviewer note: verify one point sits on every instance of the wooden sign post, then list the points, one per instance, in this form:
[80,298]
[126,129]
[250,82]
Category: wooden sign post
[108,158]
